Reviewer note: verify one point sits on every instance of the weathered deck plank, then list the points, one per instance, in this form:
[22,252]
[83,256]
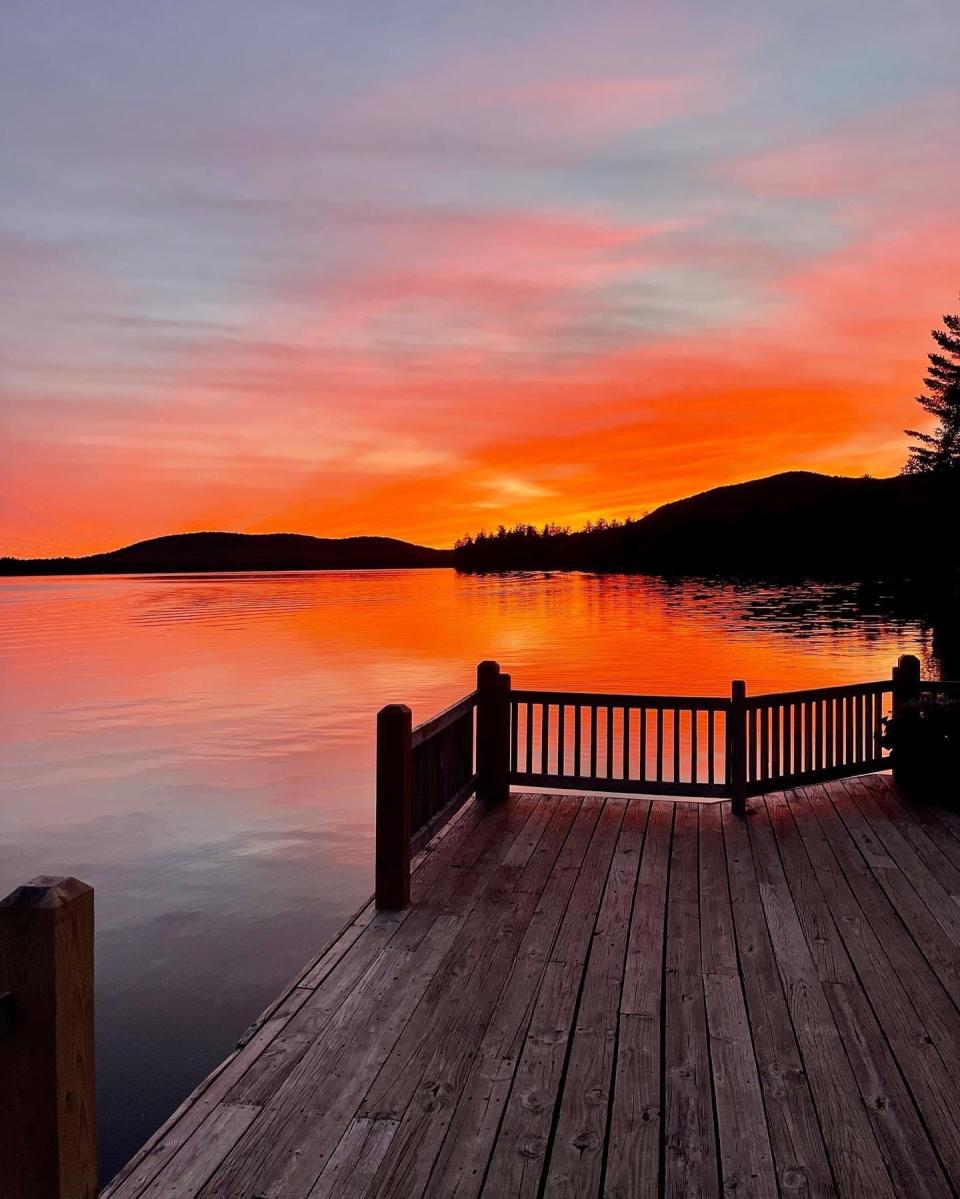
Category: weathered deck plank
[521,1151]
[690,1145]
[613,998]
[855,1154]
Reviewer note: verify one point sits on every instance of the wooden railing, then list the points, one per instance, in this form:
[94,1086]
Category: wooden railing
[812,736]
[442,769]
[667,745]
[712,746]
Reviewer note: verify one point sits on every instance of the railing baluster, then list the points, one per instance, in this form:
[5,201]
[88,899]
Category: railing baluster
[561,720]
[643,745]
[545,738]
[593,741]
[694,750]
[751,738]
[626,742]
[659,712]
[609,742]
[877,725]
[711,746]
[514,734]
[838,731]
[787,739]
[808,736]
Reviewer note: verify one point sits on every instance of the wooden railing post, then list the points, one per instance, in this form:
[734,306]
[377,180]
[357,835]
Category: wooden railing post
[906,681]
[737,747]
[394,778]
[502,778]
[48,1147]
[493,733]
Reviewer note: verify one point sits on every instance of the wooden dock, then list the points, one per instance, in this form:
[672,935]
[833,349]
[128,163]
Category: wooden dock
[620,997]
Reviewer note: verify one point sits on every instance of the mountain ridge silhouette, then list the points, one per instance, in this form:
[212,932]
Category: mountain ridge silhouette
[213,552]
[794,522]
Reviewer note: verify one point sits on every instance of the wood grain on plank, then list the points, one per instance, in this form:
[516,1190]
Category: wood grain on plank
[633,1150]
[746,1158]
[799,1151]
[520,1152]
[576,1161]
[470,1136]
[854,1152]
[438,1075]
[690,1146]
[899,987]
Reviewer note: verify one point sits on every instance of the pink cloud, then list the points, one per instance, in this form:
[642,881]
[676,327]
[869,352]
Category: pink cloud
[900,155]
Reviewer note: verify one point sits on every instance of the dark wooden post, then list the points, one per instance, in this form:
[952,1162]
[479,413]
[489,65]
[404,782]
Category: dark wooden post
[737,747]
[502,785]
[493,733]
[394,778]
[906,681]
[48,1146]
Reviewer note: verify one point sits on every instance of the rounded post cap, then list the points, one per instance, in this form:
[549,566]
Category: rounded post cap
[46,891]
[394,712]
[909,664]
[487,671]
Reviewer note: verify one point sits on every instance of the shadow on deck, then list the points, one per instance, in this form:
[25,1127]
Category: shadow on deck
[614,997]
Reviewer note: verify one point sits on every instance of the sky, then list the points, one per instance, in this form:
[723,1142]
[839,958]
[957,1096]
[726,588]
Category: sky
[417,268]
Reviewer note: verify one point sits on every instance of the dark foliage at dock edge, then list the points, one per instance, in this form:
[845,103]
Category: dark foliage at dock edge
[924,737]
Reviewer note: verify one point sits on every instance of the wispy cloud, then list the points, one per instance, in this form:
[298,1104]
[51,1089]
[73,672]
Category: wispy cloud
[302,274]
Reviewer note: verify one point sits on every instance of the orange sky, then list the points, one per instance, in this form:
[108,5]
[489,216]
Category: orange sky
[580,275]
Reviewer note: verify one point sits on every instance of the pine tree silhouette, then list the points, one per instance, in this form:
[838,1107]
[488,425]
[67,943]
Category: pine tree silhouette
[939,450]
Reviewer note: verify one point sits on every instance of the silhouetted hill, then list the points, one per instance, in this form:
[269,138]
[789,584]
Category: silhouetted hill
[797,523]
[189,553]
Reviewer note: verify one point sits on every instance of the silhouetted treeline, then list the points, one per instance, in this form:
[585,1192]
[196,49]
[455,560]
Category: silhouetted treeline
[791,524]
[600,544]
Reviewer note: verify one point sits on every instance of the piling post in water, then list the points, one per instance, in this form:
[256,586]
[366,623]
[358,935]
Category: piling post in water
[394,798]
[48,1147]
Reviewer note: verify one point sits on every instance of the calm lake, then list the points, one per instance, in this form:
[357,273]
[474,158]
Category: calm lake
[199,749]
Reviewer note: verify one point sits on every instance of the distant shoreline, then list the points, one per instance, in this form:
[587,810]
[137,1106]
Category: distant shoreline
[223,553]
[793,525]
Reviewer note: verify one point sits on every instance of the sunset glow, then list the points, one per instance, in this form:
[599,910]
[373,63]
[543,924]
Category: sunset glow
[416,270]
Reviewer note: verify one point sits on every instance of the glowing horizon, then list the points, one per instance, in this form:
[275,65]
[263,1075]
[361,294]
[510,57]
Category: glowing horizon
[417,272]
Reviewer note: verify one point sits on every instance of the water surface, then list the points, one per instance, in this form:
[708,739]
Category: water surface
[199,749]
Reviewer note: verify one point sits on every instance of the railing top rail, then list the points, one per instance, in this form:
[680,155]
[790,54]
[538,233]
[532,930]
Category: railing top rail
[871,688]
[436,724]
[619,700]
